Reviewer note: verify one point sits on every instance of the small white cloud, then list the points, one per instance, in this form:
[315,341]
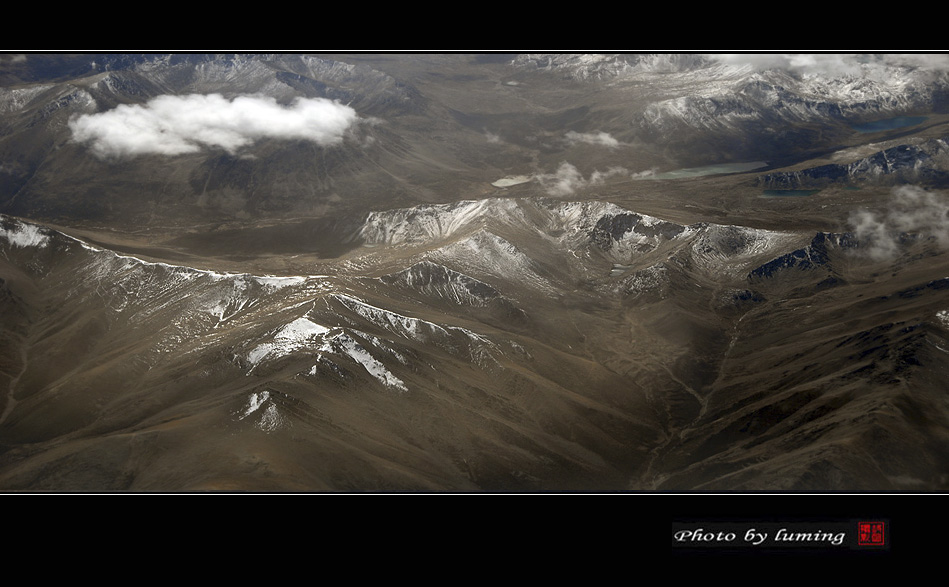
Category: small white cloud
[600,176]
[568,179]
[564,182]
[592,138]
[644,174]
[172,125]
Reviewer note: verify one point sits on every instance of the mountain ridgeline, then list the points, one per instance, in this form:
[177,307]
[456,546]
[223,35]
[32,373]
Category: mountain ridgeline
[466,273]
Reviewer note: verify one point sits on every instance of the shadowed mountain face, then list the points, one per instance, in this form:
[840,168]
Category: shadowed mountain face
[466,273]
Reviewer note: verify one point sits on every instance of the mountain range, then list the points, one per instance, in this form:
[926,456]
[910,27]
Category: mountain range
[473,272]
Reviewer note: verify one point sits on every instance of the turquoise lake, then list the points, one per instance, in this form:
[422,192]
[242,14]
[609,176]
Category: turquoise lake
[890,124]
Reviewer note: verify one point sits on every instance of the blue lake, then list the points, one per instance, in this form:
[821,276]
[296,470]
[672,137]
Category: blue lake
[890,124]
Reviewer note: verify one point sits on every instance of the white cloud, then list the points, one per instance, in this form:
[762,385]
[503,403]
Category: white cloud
[644,174]
[833,64]
[601,176]
[172,125]
[592,138]
[492,137]
[828,63]
[568,179]
[911,210]
[564,182]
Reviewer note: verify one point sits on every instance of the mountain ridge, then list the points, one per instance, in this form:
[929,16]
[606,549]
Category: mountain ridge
[472,273]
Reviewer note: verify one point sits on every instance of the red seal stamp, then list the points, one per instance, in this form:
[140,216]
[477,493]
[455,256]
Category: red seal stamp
[871,534]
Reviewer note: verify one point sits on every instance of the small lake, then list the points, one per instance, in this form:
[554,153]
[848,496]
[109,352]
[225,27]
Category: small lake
[788,193]
[890,124]
[708,170]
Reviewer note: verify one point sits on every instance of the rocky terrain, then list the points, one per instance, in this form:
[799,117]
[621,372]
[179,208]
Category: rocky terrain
[465,273]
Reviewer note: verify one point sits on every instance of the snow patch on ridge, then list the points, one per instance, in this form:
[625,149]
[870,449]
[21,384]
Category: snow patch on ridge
[943,316]
[486,252]
[297,335]
[454,339]
[303,334]
[247,290]
[270,418]
[437,280]
[421,224]
[342,342]
[724,242]
[416,328]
